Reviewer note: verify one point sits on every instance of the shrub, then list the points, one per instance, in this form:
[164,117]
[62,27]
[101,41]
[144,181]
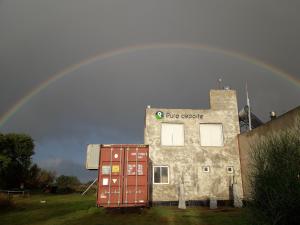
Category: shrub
[275,179]
[5,202]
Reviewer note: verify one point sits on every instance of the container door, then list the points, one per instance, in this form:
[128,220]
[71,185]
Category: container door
[110,177]
[135,176]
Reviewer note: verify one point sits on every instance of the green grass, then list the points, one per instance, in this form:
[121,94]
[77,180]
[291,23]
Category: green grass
[76,210]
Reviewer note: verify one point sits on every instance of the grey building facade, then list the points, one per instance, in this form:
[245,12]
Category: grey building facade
[196,147]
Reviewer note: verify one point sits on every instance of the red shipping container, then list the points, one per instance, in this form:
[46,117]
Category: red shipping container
[123,176]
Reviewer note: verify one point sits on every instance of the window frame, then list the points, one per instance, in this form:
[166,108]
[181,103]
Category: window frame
[203,169]
[160,174]
[161,132]
[222,130]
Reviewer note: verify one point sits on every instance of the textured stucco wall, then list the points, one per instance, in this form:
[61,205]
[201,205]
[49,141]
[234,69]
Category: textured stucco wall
[190,158]
[247,139]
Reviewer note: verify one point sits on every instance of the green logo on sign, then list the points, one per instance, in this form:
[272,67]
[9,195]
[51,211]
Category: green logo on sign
[159,115]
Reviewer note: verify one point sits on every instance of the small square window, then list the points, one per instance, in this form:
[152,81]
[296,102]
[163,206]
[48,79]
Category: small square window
[205,169]
[230,169]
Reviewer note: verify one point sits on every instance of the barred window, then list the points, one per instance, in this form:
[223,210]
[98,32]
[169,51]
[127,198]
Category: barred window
[160,174]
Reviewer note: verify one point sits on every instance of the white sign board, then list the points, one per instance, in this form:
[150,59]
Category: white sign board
[92,156]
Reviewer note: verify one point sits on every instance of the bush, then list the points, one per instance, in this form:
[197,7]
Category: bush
[275,179]
[5,202]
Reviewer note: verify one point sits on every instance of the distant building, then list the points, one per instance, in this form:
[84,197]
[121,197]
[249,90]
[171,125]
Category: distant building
[198,147]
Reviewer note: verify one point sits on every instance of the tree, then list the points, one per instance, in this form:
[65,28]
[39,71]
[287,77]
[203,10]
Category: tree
[275,179]
[15,159]
[67,183]
[39,178]
[32,180]
[45,178]
[4,158]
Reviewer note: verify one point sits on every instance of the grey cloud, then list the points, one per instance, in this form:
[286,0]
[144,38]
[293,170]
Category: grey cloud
[105,101]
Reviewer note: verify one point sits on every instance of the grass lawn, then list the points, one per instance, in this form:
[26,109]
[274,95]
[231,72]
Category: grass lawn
[74,210]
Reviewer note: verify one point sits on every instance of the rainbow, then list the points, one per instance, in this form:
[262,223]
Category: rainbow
[130,49]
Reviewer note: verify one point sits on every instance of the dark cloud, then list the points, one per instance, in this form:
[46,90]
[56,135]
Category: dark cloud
[104,102]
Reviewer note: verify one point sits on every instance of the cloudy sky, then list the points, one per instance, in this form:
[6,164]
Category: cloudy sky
[183,48]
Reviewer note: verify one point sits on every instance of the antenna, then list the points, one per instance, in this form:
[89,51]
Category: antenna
[249,109]
[219,83]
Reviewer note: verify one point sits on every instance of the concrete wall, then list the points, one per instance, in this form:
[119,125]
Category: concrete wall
[190,158]
[286,121]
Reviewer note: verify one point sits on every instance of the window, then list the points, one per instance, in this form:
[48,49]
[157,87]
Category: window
[160,175]
[230,169]
[205,169]
[172,134]
[211,134]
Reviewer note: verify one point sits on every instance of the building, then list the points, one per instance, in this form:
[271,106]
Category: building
[198,147]
[281,123]
[203,149]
